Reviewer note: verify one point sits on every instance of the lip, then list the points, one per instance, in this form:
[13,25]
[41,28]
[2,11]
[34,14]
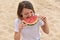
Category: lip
[28,17]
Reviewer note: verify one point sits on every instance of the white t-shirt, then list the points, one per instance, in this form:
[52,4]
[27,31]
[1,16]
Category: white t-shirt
[29,33]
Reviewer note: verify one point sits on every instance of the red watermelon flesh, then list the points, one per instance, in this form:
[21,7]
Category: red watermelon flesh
[31,20]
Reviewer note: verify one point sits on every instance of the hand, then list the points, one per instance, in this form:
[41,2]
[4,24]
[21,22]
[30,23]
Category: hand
[45,26]
[21,26]
[43,18]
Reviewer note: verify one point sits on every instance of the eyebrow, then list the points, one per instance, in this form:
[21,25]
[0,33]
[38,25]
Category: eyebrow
[26,13]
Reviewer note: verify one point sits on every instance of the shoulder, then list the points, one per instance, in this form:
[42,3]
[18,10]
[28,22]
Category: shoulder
[17,20]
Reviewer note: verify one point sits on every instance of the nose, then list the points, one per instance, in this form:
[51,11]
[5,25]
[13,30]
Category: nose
[29,15]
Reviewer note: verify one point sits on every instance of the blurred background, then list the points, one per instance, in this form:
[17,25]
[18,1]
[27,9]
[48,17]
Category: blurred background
[48,8]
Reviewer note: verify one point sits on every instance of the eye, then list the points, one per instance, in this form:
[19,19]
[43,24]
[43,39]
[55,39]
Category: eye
[31,12]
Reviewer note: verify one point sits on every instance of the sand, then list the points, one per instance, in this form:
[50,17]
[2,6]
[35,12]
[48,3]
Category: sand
[48,8]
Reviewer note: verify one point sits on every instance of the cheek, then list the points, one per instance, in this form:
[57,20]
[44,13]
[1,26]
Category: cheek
[32,14]
[24,16]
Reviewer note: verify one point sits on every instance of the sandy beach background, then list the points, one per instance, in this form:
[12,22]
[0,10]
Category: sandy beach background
[48,8]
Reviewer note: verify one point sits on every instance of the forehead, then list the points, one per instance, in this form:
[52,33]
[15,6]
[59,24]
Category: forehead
[26,10]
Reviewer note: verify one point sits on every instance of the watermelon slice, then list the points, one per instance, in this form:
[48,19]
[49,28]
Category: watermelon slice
[31,20]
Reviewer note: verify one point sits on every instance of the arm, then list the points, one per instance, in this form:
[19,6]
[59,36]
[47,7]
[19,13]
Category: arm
[17,36]
[18,29]
[45,26]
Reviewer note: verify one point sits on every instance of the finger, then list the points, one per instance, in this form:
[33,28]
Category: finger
[43,17]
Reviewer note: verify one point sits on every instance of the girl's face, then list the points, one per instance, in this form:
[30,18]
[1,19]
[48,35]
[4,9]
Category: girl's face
[26,13]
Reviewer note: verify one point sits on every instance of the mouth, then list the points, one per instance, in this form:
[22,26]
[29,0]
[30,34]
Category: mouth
[27,17]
